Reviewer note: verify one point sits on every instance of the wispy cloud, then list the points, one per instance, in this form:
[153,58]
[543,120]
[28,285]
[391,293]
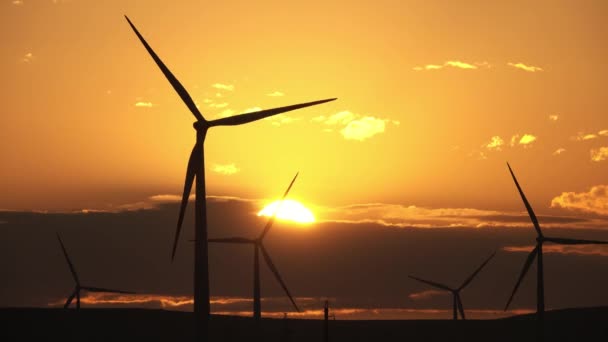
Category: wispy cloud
[225,113]
[275,94]
[27,58]
[559,151]
[524,67]
[228,87]
[426,294]
[227,169]
[599,154]
[553,118]
[599,250]
[144,104]
[603,132]
[581,136]
[355,126]
[401,216]
[495,143]
[275,307]
[453,64]
[218,105]
[17,2]
[594,201]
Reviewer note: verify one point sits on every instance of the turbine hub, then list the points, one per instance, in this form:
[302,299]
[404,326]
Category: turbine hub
[200,125]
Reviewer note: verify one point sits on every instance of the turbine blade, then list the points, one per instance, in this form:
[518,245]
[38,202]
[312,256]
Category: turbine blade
[528,207]
[232,240]
[249,117]
[67,258]
[527,264]
[563,241]
[432,283]
[101,289]
[69,300]
[274,215]
[470,278]
[179,88]
[460,308]
[274,270]
[193,164]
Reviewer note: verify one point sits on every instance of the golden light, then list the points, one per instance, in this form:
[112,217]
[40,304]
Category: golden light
[289,210]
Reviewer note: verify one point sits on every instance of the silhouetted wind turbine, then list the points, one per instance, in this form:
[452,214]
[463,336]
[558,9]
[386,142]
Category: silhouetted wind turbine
[457,307]
[537,253]
[196,169]
[79,287]
[258,246]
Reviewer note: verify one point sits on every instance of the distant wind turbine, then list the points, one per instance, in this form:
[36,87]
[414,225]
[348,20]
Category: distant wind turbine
[537,253]
[196,169]
[457,306]
[79,287]
[258,246]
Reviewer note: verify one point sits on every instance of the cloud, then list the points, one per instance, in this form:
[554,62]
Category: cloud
[603,132]
[207,101]
[453,64]
[363,128]
[274,307]
[495,143]
[227,169]
[226,112]
[402,216]
[17,2]
[559,151]
[599,250]
[355,126]
[275,94]
[218,105]
[527,139]
[27,58]
[144,104]
[426,294]
[553,118]
[524,67]
[593,201]
[228,87]
[599,154]
[281,119]
[580,136]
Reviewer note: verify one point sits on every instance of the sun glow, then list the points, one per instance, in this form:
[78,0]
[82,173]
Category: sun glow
[289,210]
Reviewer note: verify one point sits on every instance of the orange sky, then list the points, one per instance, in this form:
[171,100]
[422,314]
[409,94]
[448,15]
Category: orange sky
[423,88]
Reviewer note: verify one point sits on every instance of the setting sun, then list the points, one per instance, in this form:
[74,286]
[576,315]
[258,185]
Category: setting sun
[289,210]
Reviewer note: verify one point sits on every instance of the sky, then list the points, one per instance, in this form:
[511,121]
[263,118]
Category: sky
[434,98]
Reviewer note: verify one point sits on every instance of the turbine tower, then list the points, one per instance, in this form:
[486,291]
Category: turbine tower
[79,287]
[258,246]
[196,170]
[537,253]
[457,303]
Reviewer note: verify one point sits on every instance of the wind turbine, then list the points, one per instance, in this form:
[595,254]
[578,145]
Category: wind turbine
[196,170]
[79,287]
[537,253]
[258,246]
[457,307]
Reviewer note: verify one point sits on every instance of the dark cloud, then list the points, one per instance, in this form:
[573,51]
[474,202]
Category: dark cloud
[361,265]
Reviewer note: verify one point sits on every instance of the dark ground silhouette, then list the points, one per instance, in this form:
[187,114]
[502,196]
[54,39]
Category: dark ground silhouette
[24,324]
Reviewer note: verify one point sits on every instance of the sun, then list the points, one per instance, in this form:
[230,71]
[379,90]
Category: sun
[289,210]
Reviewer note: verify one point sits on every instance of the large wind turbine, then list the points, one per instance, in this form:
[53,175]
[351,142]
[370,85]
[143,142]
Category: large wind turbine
[457,306]
[258,246]
[196,169]
[537,253]
[79,287]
